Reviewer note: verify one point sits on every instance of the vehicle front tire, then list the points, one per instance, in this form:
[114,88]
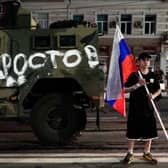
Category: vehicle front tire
[53,119]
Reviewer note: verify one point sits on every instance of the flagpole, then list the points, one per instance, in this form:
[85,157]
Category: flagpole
[155,109]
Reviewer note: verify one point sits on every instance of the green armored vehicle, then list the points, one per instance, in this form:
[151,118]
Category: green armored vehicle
[49,76]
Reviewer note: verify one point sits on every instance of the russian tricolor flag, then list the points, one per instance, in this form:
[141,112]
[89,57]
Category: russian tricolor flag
[122,64]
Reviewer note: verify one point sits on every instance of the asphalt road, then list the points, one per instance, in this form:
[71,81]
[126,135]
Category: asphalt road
[100,148]
[80,161]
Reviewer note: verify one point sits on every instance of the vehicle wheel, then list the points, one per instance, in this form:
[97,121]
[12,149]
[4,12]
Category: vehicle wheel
[53,119]
[80,120]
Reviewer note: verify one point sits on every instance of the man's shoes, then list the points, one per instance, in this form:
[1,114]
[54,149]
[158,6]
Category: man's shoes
[149,157]
[128,158]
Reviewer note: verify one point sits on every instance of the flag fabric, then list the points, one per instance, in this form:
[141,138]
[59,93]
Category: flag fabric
[122,64]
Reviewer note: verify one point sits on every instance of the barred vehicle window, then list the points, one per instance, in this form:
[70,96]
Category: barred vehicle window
[42,42]
[67,41]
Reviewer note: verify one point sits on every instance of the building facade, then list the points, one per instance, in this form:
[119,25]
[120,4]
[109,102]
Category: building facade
[143,23]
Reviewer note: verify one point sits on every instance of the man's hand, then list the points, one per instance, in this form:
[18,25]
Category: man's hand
[141,82]
[150,96]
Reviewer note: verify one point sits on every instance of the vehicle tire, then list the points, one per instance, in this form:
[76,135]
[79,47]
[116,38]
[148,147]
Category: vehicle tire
[53,119]
[80,120]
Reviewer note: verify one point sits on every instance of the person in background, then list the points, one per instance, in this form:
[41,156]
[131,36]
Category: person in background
[141,122]
[162,80]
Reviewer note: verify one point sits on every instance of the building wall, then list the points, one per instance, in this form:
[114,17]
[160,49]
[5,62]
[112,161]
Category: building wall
[114,9]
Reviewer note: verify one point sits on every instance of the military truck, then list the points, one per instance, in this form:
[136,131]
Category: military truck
[48,77]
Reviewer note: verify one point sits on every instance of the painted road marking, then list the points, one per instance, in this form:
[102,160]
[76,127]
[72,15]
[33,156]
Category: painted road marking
[74,158]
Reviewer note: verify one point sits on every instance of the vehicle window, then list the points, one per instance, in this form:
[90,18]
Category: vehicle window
[67,41]
[42,42]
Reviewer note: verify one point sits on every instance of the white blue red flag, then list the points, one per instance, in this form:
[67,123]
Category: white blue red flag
[122,64]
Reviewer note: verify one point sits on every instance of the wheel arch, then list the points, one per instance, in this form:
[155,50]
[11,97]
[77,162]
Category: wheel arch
[50,85]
